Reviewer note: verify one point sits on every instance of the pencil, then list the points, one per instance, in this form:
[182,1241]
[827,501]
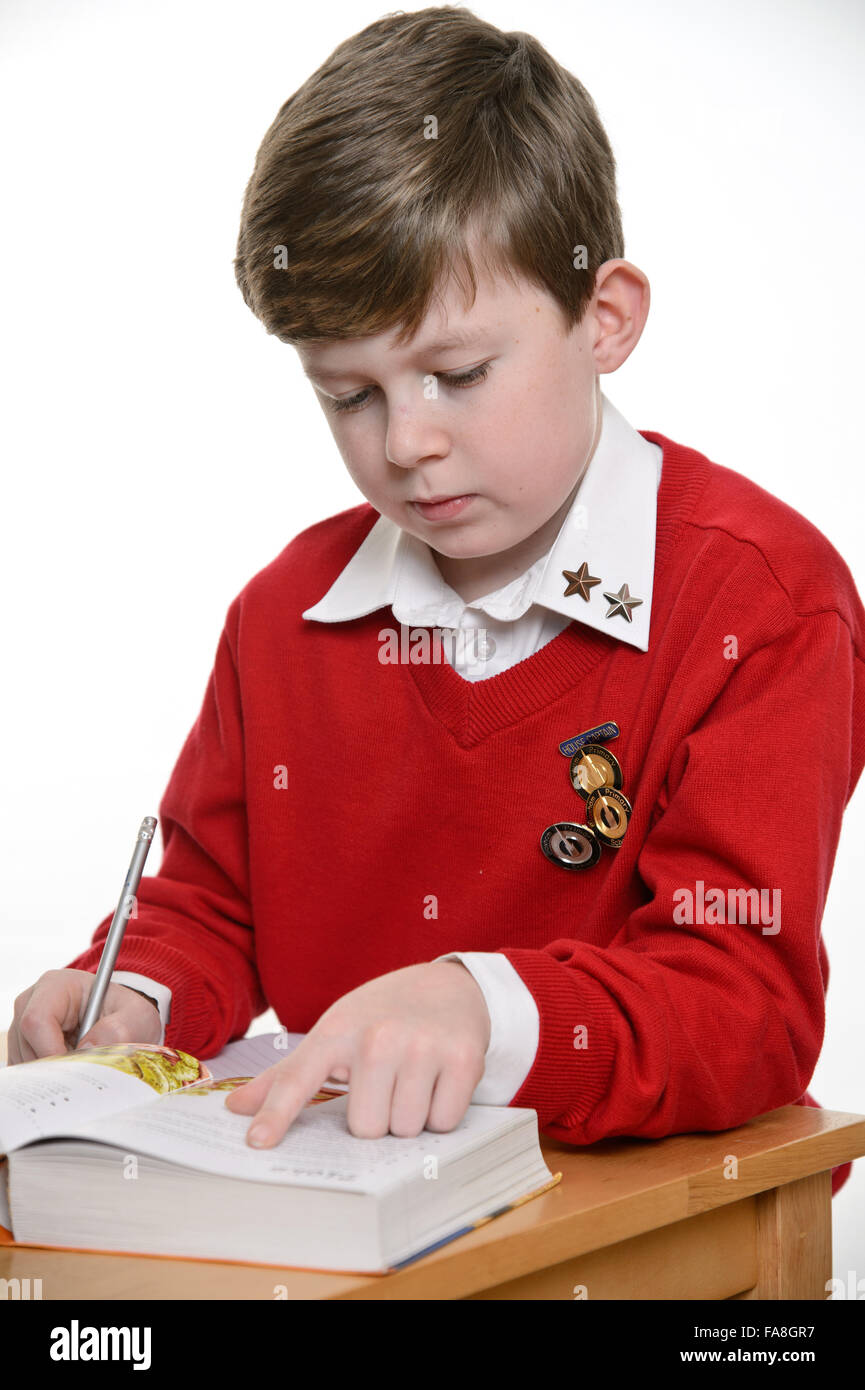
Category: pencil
[118,926]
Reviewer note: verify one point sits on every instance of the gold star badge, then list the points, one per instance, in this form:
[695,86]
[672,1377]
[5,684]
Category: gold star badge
[621,603]
[579,583]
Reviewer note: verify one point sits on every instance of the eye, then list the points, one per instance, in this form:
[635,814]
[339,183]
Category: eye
[459,380]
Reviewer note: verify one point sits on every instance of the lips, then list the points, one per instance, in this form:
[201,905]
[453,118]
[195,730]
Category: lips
[442,509]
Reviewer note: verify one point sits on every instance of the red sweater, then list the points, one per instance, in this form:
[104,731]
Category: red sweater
[292,888]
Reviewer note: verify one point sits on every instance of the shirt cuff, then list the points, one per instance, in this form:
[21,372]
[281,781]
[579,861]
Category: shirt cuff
[514,1025]
[160,994]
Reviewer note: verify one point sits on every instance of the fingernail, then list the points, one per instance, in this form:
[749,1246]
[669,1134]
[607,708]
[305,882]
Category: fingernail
[258,1135]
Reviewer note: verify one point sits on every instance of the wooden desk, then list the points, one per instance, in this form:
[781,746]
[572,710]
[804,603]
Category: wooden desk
[631,1219]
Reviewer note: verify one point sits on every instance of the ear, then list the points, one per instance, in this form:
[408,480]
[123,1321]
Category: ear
[620,307]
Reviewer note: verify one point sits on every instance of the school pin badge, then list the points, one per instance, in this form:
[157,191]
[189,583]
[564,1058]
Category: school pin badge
[596,775]
[571,846]
[594,766]
[602,733]
[608,813]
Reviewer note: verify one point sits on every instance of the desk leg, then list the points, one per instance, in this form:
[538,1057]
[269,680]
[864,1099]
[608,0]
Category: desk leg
[794,1240]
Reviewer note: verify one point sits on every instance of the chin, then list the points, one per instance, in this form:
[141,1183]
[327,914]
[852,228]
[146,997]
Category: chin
[469,550]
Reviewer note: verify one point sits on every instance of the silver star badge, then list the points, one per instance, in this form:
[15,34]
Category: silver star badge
[621,603]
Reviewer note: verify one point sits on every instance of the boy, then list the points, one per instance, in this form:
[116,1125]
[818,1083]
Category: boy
[560,838]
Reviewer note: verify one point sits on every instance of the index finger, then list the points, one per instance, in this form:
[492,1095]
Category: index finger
[278,1095]
[43,1023]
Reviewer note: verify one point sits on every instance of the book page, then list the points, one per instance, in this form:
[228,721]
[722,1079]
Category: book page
[193,1128]
[44,1098]
[252,1056]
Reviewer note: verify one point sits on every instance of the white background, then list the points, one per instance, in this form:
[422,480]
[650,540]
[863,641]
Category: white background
[159,447]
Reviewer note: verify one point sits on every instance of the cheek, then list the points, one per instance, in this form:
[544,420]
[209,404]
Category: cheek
[362,457]
[545,408]
[535,448]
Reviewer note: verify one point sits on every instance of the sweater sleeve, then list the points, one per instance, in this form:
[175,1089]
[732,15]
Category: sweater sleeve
[702,1019]
[191,928]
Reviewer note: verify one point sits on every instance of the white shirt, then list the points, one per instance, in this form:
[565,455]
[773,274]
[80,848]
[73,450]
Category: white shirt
[611,526]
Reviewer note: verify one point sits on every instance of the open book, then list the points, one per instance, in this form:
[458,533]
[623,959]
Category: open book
[130,1148]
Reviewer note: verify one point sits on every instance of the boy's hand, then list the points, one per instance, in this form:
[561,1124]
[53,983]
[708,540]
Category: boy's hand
[411,1043]
[48,1014]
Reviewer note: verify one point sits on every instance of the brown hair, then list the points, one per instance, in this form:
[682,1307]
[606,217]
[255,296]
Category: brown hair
[353,214]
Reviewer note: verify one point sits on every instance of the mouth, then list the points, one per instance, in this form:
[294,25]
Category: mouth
[442,508]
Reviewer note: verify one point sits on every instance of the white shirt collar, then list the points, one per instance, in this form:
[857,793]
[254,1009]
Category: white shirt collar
[610,526]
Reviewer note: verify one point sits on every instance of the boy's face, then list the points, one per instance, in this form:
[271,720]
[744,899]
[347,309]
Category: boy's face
[514,444]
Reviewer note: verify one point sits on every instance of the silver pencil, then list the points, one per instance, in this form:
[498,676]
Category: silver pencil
[118,926]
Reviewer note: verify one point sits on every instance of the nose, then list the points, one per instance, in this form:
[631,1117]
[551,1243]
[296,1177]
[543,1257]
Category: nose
[413,436]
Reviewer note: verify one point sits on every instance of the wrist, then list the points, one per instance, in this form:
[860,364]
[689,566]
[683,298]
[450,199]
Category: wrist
[477,994]
[148,997]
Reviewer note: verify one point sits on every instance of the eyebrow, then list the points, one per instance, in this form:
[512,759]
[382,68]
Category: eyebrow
[457,338]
